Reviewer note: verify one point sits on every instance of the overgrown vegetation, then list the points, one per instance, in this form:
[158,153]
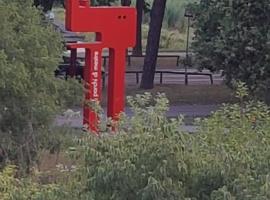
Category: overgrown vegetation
[147,156]
[150,157]
[30,95]
[169,39]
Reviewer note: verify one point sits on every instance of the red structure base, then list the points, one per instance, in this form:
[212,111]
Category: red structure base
[115,28]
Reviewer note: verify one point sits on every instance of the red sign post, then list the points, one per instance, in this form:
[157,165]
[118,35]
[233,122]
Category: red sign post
[115,29]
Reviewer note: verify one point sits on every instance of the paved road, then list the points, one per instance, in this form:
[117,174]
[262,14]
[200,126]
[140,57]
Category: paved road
[190,111]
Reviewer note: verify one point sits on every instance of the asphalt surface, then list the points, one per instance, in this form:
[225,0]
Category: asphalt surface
[74,119]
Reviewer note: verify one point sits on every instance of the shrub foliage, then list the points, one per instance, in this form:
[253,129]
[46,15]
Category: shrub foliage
[30,95]
[150,157]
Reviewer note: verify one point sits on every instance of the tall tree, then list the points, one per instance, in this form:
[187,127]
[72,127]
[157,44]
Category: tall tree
[149,67]
[137,50]
[125,2]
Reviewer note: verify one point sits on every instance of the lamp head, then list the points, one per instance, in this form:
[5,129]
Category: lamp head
[188,12]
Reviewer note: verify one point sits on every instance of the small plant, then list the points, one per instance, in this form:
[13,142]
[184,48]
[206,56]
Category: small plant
[241,91]
[12,188]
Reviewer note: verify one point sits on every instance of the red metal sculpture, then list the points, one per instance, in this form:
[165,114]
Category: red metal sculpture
[115,28]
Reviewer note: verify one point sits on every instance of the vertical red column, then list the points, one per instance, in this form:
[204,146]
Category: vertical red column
[92,86]
[116,83]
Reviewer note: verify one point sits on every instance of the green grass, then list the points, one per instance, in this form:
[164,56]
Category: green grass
[59,13]
[170,39]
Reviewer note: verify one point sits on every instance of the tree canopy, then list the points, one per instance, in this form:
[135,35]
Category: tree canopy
[234,36]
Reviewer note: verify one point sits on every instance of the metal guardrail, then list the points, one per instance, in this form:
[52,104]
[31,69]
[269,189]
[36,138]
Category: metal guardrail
[161,72]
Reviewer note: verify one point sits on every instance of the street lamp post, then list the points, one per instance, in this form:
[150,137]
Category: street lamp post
[189,15]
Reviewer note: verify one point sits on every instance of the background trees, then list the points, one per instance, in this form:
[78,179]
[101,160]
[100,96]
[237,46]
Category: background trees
[234,36]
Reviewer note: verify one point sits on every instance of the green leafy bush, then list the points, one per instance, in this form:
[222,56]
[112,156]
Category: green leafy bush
[236,35]
[30,95]
[150,157]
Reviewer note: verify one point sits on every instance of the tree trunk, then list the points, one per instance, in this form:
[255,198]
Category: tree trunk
[125,2]
[137,50]
[150,61]
[3,156]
